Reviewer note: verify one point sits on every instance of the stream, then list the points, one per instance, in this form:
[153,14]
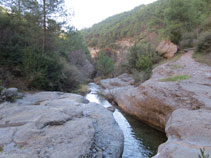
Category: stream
[141,141]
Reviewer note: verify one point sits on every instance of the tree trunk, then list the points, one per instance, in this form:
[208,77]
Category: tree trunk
[19,7]
[44,26]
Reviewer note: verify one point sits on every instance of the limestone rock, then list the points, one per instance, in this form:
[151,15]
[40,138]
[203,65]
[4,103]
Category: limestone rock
[9,94]
[55,124]
[167,49]
[188,131]
[181,108]
[154,100]
[121,81]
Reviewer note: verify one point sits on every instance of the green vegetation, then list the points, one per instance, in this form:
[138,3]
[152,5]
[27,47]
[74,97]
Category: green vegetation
[105,64]
[166,18]
[203,154]
[36,50]
[180,21]
[204,44]
[141,58]
[176,78]
[203,50]
[203,58]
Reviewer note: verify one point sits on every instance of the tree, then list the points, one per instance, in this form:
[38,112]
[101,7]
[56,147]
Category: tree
[180,16]
[14,5]
[105,65]
[51,9]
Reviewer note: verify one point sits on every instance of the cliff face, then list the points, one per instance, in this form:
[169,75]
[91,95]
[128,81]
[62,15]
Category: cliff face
[176,97]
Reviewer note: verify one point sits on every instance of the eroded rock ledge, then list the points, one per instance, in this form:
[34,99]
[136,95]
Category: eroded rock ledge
[181,108]
[58,125]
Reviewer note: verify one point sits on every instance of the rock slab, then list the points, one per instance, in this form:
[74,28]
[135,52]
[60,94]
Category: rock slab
[55,124]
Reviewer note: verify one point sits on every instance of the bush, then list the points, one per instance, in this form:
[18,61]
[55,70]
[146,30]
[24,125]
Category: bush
[42,71]
[144,62]
[140,61]
[142,57]
[188,40]
[206,26]
[204,43]
[71,78]
[175,36]
[105,64]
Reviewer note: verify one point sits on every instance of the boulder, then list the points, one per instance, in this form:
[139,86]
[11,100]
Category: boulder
[10,94]
[167,49]
[188,131]
[55,124]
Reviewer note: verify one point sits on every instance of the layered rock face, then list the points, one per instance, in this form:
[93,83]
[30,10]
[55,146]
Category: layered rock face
[181,108]
[55,124]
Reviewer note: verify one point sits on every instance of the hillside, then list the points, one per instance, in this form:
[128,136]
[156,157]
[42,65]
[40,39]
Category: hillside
[166,18]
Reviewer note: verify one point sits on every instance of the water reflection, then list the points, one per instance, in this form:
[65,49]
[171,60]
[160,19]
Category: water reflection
[141,141]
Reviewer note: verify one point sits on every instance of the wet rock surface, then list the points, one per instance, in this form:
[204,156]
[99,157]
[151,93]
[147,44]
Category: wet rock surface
[55,124]
[181,108]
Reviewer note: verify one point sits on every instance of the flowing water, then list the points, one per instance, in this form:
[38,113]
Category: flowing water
[141,141]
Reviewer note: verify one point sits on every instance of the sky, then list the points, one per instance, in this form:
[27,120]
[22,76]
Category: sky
[89,12]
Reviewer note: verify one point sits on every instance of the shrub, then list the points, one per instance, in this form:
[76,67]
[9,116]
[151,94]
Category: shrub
[204,43]
[140,61]
[144,62]
[206,26]
[175,36]
[42,71]
[105,65]
[142,57]
[71,78]
[188,40]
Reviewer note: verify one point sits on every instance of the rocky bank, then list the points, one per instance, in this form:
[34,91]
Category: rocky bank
[56,124]
[182,108]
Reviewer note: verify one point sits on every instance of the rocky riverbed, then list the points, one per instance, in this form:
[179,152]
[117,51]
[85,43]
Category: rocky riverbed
[176,99]
[56,124]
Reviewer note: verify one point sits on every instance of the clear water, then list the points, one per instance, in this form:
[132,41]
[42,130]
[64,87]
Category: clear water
[141,141]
